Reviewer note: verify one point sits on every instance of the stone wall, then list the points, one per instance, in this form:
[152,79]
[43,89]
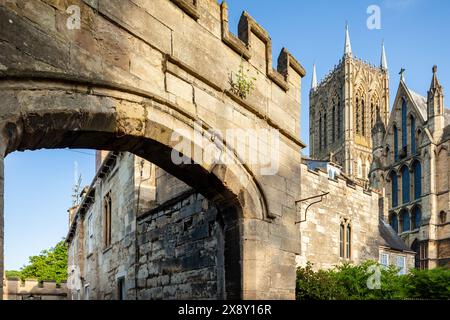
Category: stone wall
[181,251]
[320,233]
[33,290]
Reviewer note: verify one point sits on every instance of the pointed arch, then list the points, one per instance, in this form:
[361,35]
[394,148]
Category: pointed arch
[405,221]
[412,128]
[393,221]
[404,124]
[395,132]
[406,185]
[416,168]
[416,217]
[394,188]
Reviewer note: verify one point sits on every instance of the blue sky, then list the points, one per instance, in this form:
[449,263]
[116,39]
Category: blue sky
[38,184]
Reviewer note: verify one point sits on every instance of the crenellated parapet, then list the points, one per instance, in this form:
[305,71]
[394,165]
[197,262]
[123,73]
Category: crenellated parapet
[247,29]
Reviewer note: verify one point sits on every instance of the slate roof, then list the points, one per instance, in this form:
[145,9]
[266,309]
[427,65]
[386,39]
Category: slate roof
[421,103]
[389,238]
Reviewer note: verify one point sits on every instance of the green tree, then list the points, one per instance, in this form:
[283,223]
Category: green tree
[50,265]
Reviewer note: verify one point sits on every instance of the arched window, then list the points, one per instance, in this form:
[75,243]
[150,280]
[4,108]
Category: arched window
[395,143]
[325,129]
[405,185]
[393,221]
[404,216]
[339,128]
[404,110]
[348,238]
[394,189]
[333,123]
[413,134]
[417,171]
[363,122]
[341,240]
[358,131]
[416,218]
[320,131]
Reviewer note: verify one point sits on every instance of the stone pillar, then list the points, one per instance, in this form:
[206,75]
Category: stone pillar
[2,180]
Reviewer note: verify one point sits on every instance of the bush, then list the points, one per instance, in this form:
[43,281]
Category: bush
[352,282]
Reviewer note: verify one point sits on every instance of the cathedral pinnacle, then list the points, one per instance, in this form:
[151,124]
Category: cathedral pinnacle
[348,46]
[314,78]
[383,62]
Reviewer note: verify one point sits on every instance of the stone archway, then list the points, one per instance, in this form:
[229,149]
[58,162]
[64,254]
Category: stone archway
[55,115]
[130,73]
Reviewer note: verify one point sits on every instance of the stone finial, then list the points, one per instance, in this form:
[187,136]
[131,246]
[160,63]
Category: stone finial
[314,78]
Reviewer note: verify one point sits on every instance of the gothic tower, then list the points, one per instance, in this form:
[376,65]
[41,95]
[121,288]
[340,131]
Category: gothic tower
[344,108]
[435,106]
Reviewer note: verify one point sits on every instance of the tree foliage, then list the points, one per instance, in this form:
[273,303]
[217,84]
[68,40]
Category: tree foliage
[350,282]
[49,265]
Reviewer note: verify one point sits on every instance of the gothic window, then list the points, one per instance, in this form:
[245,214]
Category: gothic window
[405,185]
[362,116]
[395,143]
[348,238]
[345,236]
[417,172]
[325,125]
[405,222]
[413,134]
[358,131]
[372,115]
[393,221]
[333,123]
[320,131]
[394,188]
[416,218]
[107,205]
[339,111]
[404,110]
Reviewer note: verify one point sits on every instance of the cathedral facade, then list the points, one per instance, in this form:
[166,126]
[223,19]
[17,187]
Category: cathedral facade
[411,167]
[343,109]
[402,153]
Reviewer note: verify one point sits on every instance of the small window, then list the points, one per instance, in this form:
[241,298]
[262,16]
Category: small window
[384,259]
[121,288]
[107,206]
[401,264]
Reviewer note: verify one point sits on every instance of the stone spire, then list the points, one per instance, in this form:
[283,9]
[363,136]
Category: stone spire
[314,78]
[383,62]
[348,46]
[435,85]
[435,101]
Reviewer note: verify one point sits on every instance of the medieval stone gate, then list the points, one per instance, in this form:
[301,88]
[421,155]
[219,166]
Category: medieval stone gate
[125,75]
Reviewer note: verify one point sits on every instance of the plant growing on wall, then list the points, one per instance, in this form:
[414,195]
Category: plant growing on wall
[242,84]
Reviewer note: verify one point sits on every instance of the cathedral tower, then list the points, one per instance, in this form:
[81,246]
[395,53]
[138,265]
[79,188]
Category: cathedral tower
[344,108]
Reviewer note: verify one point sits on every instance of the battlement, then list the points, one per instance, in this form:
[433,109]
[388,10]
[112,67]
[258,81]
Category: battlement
[15,289]
[248,31]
